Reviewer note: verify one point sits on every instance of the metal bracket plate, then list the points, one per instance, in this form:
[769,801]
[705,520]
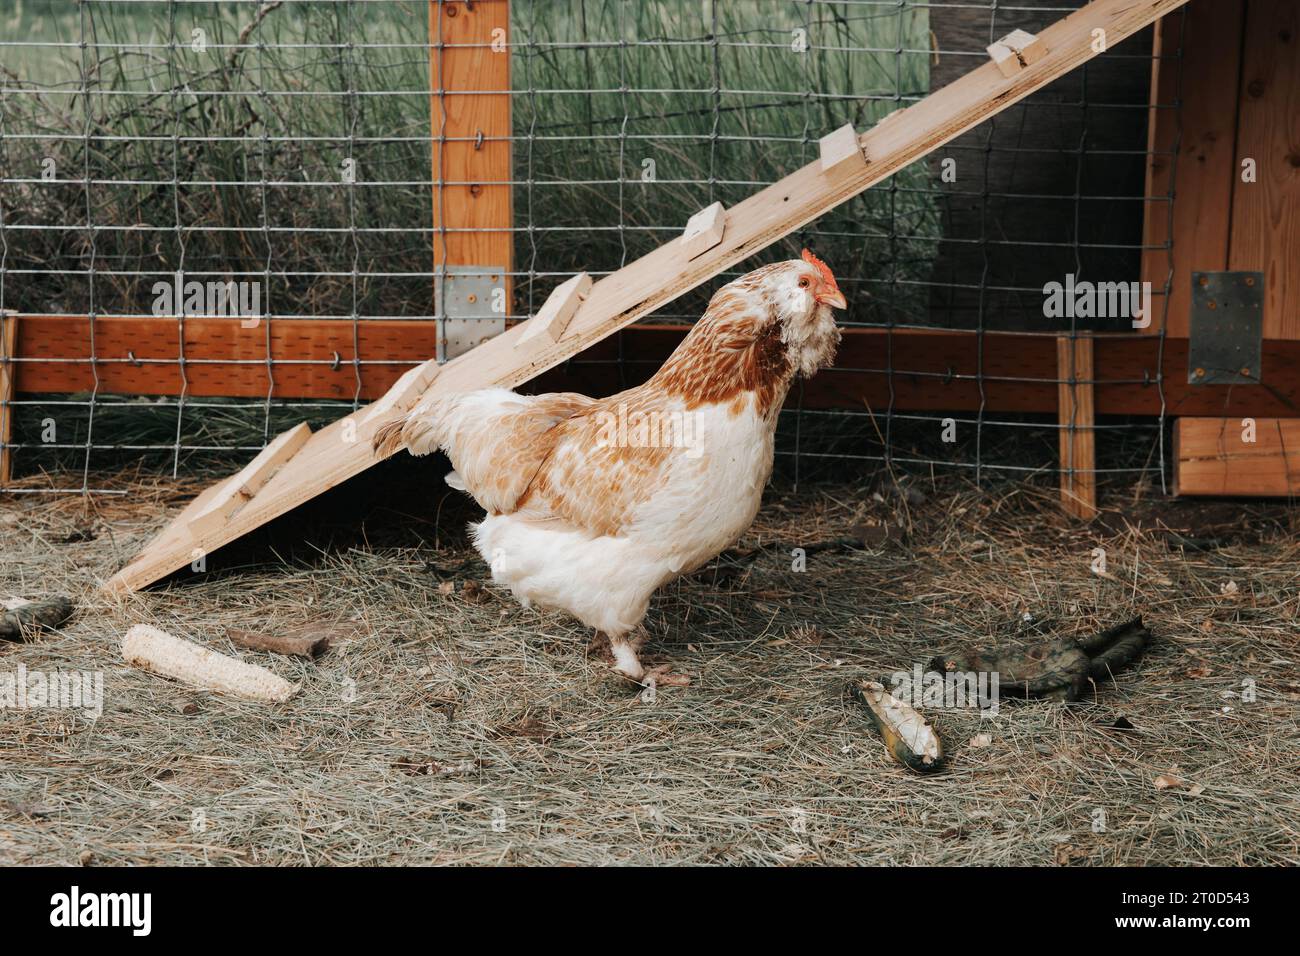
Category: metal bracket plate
[470,306]
[1227,328]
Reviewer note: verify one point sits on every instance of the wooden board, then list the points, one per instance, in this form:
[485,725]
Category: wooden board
[1074,364]
[469,60]
[932,370]
[1190,152]
[296,358]
[1266,213]
[660,276]
[1213,456]
[8,345]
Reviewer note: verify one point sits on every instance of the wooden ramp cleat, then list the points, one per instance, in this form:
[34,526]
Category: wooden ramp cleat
[1016,51]
[553,317]
[704,230]
[841,152]
[236,491]
[405,393]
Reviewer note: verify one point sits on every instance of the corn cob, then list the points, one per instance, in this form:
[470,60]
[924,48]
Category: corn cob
[908,737]
[157,651]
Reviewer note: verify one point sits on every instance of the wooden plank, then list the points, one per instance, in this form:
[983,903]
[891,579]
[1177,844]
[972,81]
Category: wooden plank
[295,358]
[1234,456]
[1074,369]
[8,380]
[931,369]
[1266,213]
[660,276]
[553,317]
[237,491]
[704,230]
[469,60]
[1190,152]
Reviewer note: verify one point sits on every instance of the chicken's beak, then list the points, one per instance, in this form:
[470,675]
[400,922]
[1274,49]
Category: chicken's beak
[832,297]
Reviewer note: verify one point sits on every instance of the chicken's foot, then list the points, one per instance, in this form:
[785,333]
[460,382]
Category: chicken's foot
[627,663]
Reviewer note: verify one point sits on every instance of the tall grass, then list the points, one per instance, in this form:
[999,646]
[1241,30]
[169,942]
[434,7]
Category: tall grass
[716,96]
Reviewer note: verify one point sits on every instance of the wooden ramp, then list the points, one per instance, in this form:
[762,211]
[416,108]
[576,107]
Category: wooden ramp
[579,314]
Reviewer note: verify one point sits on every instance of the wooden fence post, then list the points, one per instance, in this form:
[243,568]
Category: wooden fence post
[1074,371]
[469,60]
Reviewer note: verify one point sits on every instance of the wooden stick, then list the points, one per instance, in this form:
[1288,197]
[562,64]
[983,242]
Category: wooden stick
[1074,363]
[308,641]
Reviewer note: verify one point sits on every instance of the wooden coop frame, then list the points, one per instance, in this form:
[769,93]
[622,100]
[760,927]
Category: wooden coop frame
[1077,377]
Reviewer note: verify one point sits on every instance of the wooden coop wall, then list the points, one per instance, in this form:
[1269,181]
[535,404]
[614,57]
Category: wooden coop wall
[1239,85]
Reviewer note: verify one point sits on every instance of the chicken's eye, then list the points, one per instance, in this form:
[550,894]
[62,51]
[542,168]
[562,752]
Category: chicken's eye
[804,282]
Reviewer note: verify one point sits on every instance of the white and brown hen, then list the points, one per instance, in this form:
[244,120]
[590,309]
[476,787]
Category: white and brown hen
[593,504]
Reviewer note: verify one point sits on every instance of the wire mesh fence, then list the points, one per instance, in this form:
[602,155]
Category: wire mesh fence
[284,152]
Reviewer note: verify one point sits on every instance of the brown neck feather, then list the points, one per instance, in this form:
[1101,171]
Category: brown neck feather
[734,350]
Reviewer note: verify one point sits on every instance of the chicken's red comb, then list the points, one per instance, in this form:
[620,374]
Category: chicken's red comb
[821,267]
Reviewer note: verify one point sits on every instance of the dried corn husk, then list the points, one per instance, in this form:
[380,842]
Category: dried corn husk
[909,738]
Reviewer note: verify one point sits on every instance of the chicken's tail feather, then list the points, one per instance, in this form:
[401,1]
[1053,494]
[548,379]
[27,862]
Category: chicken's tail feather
[388,438]
[419,431]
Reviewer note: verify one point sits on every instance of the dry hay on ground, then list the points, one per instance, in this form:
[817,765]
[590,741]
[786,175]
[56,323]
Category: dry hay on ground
[457,727]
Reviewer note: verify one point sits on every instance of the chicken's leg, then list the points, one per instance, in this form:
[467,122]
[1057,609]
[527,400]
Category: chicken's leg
[627,662]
